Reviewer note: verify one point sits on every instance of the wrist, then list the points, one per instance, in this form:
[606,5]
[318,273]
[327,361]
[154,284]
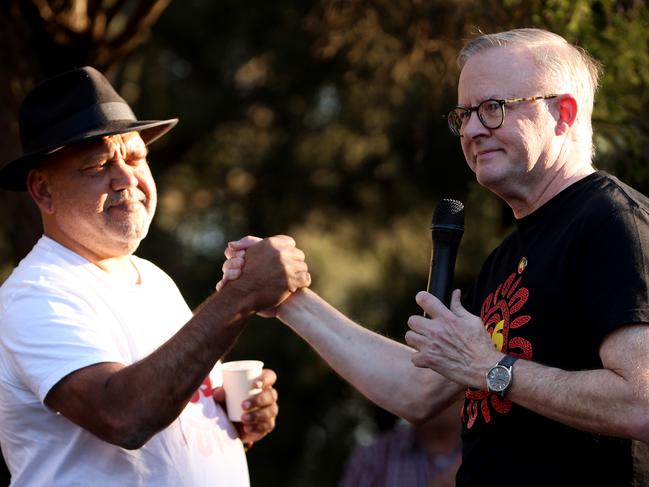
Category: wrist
[240,304]
[500,377]
[480,368]
[291,305]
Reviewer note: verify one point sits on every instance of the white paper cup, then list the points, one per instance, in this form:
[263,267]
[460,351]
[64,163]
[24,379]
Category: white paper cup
[238,377]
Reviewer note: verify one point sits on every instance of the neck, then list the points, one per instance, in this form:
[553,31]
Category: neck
[553,179]
[117,264]
[545,193]
[121,267]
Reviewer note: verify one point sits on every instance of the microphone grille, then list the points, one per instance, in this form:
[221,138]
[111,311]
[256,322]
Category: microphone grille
[449,213]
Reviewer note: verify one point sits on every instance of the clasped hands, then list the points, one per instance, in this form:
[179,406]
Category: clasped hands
[450,341]
[278,270]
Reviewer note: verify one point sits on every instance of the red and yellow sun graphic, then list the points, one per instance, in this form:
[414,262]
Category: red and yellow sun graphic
[500,314]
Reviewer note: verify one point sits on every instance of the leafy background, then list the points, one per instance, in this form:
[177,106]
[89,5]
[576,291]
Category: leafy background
[320,120]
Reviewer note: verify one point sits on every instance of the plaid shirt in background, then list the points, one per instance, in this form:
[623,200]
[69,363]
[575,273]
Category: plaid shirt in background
[398,459]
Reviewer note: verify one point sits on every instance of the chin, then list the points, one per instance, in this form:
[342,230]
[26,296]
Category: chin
[130,230]
[489,179]
[125,247]
[125,243]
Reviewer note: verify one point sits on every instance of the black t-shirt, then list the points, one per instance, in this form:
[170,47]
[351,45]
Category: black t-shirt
[572,272]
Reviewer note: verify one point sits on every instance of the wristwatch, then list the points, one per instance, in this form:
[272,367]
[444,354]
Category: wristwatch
[500,376]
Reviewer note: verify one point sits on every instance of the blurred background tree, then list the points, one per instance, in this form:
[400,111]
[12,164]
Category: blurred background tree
[320,120]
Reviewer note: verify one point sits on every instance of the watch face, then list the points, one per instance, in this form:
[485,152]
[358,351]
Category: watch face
[498,378]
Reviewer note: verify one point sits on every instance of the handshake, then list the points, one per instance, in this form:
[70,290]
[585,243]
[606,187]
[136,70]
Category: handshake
[274,269]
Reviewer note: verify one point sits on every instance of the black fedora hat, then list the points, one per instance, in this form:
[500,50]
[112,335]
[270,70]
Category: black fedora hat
[72,107]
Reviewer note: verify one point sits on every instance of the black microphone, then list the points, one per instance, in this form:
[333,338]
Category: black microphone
[447,230]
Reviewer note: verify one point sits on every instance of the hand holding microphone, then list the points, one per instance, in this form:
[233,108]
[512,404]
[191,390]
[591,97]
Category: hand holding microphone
[452,341]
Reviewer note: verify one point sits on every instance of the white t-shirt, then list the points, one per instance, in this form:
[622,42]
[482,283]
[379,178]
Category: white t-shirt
[59,313]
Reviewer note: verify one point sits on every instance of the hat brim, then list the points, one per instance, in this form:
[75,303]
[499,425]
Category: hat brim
[13,176]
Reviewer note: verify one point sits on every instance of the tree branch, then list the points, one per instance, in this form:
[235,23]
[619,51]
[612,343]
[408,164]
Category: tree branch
[114,10]
[137,27]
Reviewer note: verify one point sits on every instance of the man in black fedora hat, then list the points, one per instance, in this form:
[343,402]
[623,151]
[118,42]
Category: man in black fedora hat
[106,376]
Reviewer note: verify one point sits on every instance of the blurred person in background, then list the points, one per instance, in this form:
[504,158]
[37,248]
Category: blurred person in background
[409,455]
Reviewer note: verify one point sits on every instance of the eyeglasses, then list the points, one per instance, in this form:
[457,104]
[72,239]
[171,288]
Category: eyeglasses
[491,113]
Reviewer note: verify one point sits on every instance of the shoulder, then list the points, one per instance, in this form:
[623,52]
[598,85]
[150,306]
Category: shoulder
[605,194]
[46,269]
[598,207]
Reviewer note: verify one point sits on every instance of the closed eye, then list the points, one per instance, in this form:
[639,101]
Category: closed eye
[95,168]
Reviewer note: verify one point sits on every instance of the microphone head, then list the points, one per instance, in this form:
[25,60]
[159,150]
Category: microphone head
[449,216]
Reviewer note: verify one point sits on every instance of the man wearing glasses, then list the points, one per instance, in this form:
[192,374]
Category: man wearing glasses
[550,348]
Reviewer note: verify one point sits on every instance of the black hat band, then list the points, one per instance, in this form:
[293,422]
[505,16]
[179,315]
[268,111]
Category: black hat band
[92,117]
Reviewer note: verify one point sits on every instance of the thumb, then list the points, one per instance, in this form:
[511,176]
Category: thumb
[456,303]
[218,393]
[244,243]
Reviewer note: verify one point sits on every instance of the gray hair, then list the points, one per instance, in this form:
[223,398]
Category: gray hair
[564,65]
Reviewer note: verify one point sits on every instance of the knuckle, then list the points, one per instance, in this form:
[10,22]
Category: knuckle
[272,377]
[288,240]
[263,400]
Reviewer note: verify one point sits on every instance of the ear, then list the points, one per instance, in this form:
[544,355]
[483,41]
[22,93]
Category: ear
[567,114]
[38,185]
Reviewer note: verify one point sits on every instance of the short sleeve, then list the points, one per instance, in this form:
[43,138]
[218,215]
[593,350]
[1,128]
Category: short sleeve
[614,264]
[49,333]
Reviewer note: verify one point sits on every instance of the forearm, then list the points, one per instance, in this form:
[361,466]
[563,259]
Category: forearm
[600,401]
[127,405]
[134,402]
[378,367]
[612,400]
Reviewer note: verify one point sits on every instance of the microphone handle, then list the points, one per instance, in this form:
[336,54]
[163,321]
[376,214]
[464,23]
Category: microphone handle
[442,265]
[441,281]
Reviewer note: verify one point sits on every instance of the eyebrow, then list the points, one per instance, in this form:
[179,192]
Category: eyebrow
[102,152]
[489,97]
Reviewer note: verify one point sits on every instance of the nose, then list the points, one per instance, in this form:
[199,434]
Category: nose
[122,175]
[473,127]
